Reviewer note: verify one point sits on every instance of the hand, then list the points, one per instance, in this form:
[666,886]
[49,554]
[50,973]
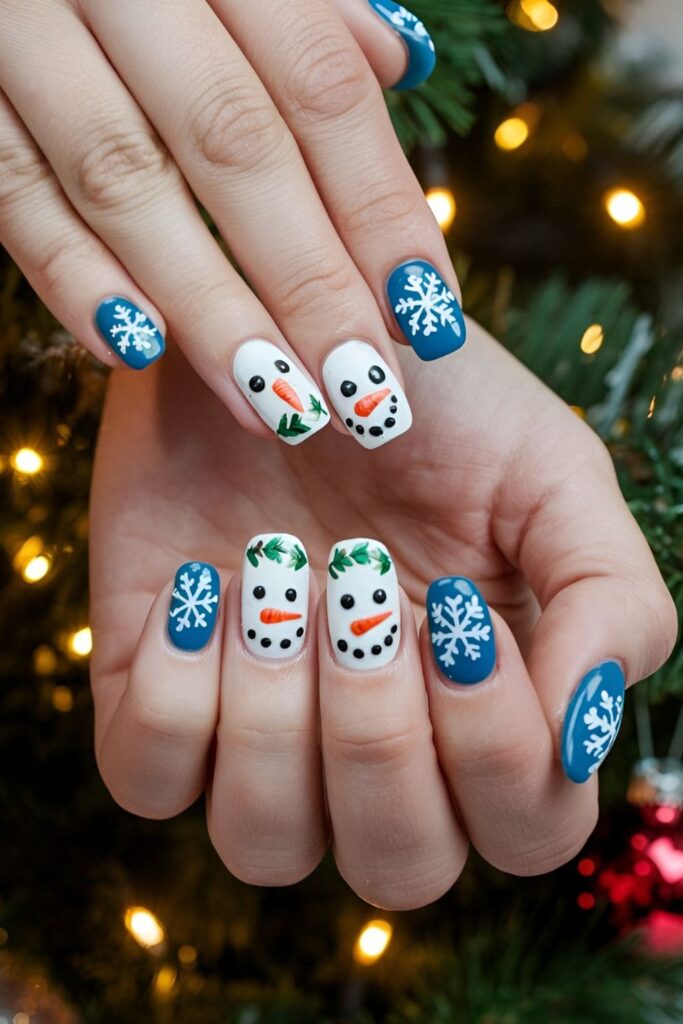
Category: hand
[113,116]
[500,482]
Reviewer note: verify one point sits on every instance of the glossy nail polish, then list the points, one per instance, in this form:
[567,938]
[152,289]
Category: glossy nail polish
[461,630]
[363,605]
[285,399]
[275,578]
[366,394]
[194,606]
[418,42]
[426,310]
[129,332]
[593,720]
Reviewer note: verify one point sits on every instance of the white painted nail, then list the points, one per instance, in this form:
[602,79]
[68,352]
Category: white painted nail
[287,400]
[363,605]
[366,394]
[274,595]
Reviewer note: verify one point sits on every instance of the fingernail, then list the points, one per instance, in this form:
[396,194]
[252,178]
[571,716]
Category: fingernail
[421,52]
[366,394]
[288,401]
[274,595]
[194,606]
[426,310]
[129,332]
[363,605]
[593,720]
[461,630]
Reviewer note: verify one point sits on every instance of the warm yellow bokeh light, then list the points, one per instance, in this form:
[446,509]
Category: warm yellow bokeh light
[187,955]
[165,980]
[44,660]
[21,1018]
[511,133]
[62,699]
[625,208]
[80,642]
[145,928]
[677,373]
[372,942]
[442,203]
[27,461]
[651,408]
[579,411]
[36,568]
[592,339]
[541,13]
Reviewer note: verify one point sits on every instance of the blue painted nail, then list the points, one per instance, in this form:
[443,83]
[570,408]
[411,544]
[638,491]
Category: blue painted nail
[421,52]
[461,630]
[427,311]
[194,606]
[592,722]
[129,332]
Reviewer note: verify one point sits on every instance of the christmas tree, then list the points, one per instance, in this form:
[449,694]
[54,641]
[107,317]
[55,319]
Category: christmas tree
[555,167]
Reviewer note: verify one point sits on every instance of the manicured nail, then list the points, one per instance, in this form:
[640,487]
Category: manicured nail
[274,595]
[426,310]
[363,605]
[461,630]
[129,332]
[194,606]
[366,394]
[289,402]
[421,52]
[592,721]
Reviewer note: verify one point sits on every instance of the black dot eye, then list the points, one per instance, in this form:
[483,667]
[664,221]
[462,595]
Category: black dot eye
[348,388]
[347,601]
[259,593]
[379,597]
[290,594]
[282,366]
[376,374]
[257,384]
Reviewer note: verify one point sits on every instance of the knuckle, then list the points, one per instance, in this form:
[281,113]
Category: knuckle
[385,205]
[510,764]
[233,127]
[168,726]
[59,262]
[550,853]
[328,78]
[659,608]
[316,281]
[21,170]
[120,168]
[394,749]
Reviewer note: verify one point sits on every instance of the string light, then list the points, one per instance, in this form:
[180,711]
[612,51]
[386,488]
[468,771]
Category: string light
[44,660]
[372,942]
[579,411]
[511,133]
[677,373]
[625,208]
[146,929]
[80,642]
[187,955]
[442,203]
[62,699]
[165,980]
[592,339]
[534,15]
[36,569]
[27,461]
[651,407]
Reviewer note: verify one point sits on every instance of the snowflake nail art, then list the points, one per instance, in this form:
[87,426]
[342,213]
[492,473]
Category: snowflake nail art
[363,606]
[289,402]
[592,721]
[418,42]
[461,630]
[426,310]
[129,332]
[366,394]
[275,595]
[194,606]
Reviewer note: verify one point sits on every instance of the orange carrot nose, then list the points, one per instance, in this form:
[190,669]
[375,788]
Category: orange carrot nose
[272,616]
[360,626]
[364,406]
[287,393]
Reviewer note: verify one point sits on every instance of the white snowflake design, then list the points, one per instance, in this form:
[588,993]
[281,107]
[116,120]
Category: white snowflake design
[195,599]
[430,304]
[133,329]
[603,727]
[403,18]
[461,622]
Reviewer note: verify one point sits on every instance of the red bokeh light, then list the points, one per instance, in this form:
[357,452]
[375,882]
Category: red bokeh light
[586,900]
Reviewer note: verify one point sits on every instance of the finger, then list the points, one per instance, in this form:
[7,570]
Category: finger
[607,616]
[328,95]
[396,839]
[492,739]
[122,182]
[154,730]
[394,40]
[67,265]
[266,811]
[242,162]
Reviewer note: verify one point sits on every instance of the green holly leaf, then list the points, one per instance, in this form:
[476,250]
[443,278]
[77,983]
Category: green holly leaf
[383,561]
[360,554]
[298,557]
[317,407]
[252,555]
[339,564]
[293,428]
[275,549]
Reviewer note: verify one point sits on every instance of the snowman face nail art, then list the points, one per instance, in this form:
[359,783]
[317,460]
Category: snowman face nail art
[274,595]
[289,402]
[363,606]
[366,394]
